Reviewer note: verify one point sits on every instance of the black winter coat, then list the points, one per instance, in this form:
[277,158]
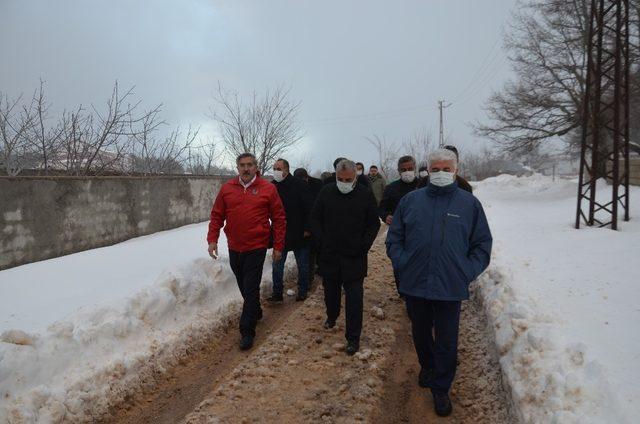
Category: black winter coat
[362,180]
[345,226]
[297,203]
[392,194]
[315,185]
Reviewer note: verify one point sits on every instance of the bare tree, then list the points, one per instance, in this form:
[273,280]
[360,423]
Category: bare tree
[16,121]
[95,142]
[419,145]
[266,127]
[165,155]
[547,44]
[44,140]
[205,160]
[546,41]
[387,153]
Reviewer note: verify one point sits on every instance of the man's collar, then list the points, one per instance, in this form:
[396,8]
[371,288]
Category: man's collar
[247,185]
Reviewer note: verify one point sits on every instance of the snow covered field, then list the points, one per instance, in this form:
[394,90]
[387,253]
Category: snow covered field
[76,330]
[564,303]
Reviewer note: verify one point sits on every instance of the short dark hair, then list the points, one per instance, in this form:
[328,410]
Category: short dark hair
[405,159]
[337,161]
[247,155]
[361,164]
[453,149]
[373,167]
[284,161]
[301,173]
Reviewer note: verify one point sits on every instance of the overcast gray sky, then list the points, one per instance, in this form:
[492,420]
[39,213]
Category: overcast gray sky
[360,67]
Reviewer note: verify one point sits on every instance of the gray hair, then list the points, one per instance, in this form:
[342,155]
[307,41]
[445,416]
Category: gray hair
[346,165]
[443,154]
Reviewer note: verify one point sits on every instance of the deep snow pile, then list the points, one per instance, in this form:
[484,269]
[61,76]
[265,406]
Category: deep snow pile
[563,303]
[78,332]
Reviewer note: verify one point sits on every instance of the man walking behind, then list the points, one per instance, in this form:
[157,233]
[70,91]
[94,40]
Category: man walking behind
[394,191]
[377,183]
[439,242]
[345,222]
[314,186]
[362,179]
[296,200]
[247,204]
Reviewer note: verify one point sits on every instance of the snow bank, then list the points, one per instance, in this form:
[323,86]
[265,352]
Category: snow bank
[105,351]
[562,304]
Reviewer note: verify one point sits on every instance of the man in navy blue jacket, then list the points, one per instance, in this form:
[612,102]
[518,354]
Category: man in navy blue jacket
[439,242]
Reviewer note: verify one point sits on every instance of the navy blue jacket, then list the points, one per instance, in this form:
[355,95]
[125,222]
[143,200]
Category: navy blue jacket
[439,242]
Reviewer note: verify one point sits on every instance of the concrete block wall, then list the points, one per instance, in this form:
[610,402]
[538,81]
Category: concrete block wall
[46,217]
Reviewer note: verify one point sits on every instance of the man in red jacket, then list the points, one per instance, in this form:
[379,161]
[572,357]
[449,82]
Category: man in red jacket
[247,204]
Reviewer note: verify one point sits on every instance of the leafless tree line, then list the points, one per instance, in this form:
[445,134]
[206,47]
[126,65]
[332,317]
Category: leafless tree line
[419,144]
[120,138]
[547,45]
[266,125]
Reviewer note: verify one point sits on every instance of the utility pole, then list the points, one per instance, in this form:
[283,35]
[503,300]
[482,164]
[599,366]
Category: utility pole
[441,106]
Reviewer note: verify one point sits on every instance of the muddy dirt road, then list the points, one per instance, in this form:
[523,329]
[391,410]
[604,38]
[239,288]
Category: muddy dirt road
[298,372]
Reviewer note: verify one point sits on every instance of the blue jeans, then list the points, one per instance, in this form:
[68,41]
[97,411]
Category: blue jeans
[302,261]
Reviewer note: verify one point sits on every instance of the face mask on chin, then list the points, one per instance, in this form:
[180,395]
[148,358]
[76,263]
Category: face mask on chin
[408,176]
[345,188]
[278,176]
[442,178]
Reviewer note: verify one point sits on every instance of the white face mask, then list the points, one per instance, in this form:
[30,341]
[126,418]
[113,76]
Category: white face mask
[408,176]
[423,174]
[278,176]
[442,178]
[359,172]
[345,188]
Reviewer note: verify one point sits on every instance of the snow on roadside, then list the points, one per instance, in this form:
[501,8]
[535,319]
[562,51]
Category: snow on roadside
[99,354]
[562,304]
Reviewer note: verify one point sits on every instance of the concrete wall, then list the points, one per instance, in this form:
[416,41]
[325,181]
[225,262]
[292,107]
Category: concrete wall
[46,217]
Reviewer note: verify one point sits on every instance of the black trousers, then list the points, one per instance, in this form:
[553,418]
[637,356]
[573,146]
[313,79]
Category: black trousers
[434,324]
[247,267]
[353,292]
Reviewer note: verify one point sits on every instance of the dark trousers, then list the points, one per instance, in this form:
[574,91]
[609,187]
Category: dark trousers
[353,292]
[302,262]
[247,267]
[434,324]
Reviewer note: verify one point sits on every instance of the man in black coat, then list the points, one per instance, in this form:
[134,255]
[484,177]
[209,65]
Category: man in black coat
[314,185]
[297,207]
[396,190]
[345,222]
[362,179]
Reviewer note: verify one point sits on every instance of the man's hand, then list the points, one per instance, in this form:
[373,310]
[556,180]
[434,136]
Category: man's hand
[389,219]
[213,250]
[277,255]
[306,234]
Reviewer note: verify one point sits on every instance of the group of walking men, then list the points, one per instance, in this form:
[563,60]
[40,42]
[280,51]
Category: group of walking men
[438,240]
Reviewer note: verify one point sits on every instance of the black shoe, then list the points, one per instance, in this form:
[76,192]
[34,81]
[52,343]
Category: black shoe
[442,404]
[328,324]
[246,342]
[352,347]
[275,298]
[426,375]
[301,297]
